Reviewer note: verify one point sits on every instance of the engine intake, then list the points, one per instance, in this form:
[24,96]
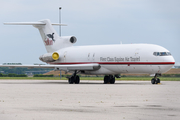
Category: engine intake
[49,57]
[73,39]
[69,39]
[55,56]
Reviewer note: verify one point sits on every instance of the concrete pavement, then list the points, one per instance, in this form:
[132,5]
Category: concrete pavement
[57,100]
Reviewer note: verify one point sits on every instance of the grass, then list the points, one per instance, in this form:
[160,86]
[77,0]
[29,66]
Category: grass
[94,78]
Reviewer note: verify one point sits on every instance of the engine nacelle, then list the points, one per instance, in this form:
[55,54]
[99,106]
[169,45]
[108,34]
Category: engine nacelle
[69,39]
[49,57]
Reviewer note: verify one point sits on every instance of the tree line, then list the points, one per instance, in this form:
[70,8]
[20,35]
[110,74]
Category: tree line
[23,75]
[12,75]
[6,70]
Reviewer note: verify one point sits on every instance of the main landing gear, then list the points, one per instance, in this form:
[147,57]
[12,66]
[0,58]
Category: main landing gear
[156,80]
[110,79]
[74,78]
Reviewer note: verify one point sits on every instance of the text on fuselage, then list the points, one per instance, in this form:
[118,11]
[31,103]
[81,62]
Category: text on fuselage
[119,59]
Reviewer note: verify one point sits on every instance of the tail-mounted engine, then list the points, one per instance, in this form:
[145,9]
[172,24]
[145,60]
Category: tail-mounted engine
[69,39]
[49,57]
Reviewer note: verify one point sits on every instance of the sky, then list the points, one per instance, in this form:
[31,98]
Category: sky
[92,22]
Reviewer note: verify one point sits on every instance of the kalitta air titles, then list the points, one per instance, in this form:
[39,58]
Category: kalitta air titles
[119,59]
[49,39]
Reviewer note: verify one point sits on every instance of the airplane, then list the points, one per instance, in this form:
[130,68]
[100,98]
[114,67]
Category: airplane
[108,60]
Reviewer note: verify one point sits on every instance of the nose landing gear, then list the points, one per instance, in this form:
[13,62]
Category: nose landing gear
[155,80]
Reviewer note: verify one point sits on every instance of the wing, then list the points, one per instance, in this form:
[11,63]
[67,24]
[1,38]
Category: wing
[60,67]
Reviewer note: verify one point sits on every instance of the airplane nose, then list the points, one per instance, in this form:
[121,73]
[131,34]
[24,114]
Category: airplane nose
[172,59]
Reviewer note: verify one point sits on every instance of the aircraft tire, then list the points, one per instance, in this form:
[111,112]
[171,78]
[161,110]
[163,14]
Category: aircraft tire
[71,80]
[112,81]
[77,80]
[158,81]
[153,81]
[106,79]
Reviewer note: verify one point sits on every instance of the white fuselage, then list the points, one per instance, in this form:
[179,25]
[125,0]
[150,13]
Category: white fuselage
[98,59]
[116,59]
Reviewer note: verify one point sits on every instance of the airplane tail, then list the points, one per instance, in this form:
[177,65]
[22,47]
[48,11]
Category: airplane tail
[49,36]
[51,39]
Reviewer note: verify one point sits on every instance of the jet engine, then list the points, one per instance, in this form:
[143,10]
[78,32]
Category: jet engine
[49,57]
[69,39]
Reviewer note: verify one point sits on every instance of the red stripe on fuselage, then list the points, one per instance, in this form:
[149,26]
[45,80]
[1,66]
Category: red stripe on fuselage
[119,63]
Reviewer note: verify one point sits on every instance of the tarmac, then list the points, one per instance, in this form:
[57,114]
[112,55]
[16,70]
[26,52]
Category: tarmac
[89,100]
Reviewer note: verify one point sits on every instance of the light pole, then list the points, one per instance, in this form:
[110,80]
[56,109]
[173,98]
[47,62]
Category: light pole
[60,21]
[60,31]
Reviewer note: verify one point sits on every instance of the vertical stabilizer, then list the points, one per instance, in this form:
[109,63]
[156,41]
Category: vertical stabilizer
[49,36]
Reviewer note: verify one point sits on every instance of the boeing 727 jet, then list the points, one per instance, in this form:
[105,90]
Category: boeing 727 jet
[108,60]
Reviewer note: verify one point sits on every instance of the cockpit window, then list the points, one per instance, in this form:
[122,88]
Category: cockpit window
[162,53]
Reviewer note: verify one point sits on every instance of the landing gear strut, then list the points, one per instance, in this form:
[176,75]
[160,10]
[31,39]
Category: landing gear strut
[155,80]
[74,78]
[109,79]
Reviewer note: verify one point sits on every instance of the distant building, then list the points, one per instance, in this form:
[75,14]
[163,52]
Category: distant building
[176,66]
[31,73]
[12,63]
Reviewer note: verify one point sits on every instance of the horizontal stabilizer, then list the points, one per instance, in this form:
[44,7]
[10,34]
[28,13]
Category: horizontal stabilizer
[57,24]
[32,23]
[25,23]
